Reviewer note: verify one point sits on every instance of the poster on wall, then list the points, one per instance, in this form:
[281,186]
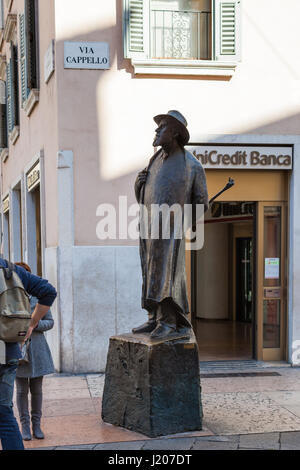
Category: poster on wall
[272,268]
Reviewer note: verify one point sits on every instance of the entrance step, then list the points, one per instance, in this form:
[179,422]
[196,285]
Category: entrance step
[238,366]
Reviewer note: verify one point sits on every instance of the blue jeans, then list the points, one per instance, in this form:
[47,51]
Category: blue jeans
[10,435]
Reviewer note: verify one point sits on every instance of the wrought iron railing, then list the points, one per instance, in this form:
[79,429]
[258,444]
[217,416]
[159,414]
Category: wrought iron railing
[180,34]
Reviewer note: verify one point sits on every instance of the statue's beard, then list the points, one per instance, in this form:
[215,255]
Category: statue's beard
[155,141]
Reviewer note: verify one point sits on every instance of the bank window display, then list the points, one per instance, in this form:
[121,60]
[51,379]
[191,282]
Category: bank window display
[272,277]
[193,30]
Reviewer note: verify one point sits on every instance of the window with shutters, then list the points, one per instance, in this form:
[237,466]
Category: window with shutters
[182,36]
[29,64]
[180,29]
[12,94]
[1,15]
[3,116]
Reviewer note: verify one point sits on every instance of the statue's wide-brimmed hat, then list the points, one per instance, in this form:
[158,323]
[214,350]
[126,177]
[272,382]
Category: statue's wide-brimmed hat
[176,117]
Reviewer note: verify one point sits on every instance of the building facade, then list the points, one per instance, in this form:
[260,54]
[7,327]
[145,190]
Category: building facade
[79,86]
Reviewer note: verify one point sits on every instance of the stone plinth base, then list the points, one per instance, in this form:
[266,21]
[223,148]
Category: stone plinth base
[152,387]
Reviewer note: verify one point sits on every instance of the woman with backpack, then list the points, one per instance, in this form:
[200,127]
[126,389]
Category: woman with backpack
[30,374]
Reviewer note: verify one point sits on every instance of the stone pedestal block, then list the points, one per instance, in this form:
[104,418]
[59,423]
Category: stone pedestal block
[152,387]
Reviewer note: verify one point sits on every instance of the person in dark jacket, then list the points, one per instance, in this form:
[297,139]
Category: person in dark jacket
[11,438]
[30,374]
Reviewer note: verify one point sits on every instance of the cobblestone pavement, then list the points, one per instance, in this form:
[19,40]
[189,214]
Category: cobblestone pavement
[254,409]
[267,441]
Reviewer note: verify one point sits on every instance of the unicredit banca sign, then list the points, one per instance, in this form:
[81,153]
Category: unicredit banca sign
[243,157]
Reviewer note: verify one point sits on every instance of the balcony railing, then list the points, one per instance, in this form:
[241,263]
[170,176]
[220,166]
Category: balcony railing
[180,34]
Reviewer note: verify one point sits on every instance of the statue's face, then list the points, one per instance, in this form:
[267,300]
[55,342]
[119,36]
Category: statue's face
[164,134]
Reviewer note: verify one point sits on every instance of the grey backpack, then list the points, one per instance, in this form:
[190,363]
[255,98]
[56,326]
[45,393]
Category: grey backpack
[15,311]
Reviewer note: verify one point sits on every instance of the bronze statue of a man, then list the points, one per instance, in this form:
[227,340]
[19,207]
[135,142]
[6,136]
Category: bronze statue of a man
[173,176]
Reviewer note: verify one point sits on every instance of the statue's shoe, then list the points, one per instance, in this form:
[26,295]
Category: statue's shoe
[163,331]
[147,327]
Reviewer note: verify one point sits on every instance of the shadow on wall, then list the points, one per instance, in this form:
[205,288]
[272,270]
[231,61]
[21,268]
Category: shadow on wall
[286,126]
[80,130]
[85,132]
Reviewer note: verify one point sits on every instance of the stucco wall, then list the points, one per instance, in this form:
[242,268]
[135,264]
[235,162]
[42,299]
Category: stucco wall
[106,116]
[39,131]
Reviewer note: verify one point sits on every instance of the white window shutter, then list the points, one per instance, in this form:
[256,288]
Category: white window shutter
[136,17]
[227,30]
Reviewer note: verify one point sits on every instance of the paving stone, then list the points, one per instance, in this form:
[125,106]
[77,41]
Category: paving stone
[79,447]
[284,381]
[260,441]
[290,441]
[96,385]
[62,382]
[76,406]
[246,413]
[80,429]
[67,393]
[204,432]
[133,445]
[235,438]
[214,445]
[288,399]
[42,448]
[169,444]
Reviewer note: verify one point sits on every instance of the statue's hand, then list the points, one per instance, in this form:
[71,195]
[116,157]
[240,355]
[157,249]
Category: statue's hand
[142,176]
[141,180]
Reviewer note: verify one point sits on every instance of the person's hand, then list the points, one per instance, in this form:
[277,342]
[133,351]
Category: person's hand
[28,334]
[38,313]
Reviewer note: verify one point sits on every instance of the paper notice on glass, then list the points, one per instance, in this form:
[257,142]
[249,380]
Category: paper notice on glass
[272,268]
[2,352]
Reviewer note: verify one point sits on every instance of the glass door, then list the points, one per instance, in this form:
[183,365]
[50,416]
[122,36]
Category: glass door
[244,279]
[271,281]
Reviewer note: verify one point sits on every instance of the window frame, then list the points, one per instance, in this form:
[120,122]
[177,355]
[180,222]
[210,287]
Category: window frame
[3,117]
[12,95]
[162,16]
[136,41]
[29,56]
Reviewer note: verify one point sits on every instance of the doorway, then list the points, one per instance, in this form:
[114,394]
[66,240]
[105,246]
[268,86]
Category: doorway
[223,283]
[33,209]
[238,283]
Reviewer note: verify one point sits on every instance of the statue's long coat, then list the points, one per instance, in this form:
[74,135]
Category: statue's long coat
[177,179]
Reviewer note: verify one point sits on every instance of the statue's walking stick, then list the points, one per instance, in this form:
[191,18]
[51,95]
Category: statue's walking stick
[228,186]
